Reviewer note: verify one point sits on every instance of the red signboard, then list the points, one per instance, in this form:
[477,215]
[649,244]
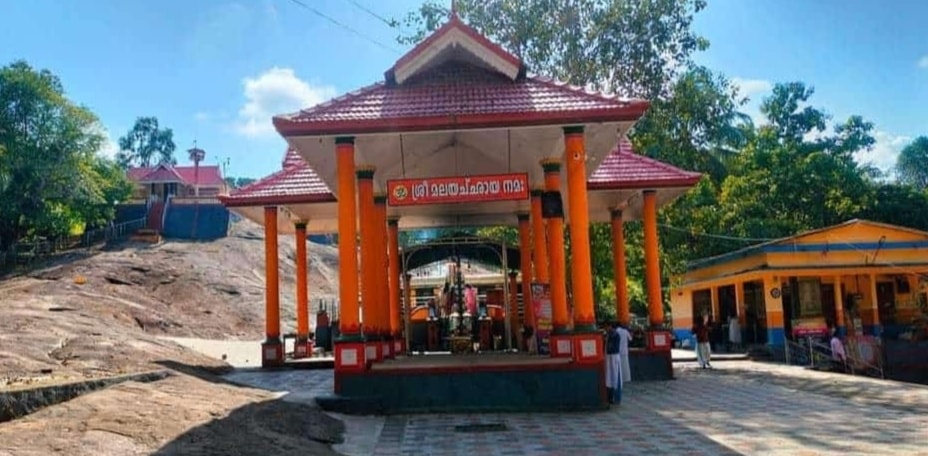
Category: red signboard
[444,190]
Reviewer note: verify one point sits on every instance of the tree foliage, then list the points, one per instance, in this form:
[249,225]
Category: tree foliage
[51,177]
[146,144]
[912,165]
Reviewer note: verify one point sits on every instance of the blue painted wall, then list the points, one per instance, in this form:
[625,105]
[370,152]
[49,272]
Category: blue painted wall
[212,221]
[776,336]
[683,335]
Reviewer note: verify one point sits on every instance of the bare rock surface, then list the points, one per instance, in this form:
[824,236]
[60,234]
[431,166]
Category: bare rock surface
[118,311]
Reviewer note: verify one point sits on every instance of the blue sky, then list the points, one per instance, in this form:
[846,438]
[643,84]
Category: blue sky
[216,70]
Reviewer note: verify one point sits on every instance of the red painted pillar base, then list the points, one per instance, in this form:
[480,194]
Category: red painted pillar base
[373,351]
[349,357]
[387,349]
[272,353]
[659,340]
[561,345]
[399,346]
[588,348]
[303,348]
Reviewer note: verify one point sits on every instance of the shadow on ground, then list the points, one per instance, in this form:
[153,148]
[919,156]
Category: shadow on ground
[263,428]
[211,374]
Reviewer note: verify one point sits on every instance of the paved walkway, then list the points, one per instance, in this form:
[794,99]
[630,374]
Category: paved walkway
[737,408]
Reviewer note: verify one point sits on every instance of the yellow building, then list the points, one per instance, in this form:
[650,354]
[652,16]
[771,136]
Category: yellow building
[862,277]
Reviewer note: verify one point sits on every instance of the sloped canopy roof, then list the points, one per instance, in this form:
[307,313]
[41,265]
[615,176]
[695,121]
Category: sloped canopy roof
[624,168]
[295,183]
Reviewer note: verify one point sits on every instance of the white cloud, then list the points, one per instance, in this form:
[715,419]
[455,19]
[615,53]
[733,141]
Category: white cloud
[110,147]
[923,62]
[884,153]
[202,116]
[753,90]
[276,91]
[751,87]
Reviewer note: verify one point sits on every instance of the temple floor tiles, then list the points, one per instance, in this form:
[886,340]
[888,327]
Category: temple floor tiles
[740,407]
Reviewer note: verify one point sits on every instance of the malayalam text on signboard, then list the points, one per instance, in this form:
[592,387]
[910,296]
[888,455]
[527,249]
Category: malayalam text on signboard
[443,190]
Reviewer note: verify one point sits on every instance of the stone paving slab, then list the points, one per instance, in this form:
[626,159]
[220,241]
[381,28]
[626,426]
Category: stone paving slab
[738,408]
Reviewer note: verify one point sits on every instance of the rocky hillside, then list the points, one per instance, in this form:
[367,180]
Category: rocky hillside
[103,312]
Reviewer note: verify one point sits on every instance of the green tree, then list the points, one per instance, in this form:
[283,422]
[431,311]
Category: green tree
[632,48]
[792,176]
[912,164]
[900,205]
[51,178]
[146,144]
[698,126]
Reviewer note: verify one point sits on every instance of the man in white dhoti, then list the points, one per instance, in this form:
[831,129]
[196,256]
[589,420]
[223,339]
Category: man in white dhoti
[616,337]
[624,336]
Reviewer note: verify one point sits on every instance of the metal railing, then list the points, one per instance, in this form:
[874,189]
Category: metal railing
[863,355]
[27,252]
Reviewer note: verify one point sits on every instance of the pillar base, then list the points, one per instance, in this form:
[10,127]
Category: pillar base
[659,340]
[561,345]
[387,348]
[303,348]
[349,356]
[373,350]
[399,345]
[588,347]
[272,353]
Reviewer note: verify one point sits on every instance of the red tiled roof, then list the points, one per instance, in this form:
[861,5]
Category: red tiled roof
[458,95]
[295,183]
[208,175]
[624,168]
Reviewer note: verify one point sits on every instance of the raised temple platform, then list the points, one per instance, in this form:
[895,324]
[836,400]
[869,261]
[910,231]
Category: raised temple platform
[486,382]
[469,383]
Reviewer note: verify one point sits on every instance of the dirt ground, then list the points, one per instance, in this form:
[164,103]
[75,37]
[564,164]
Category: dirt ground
[97,314]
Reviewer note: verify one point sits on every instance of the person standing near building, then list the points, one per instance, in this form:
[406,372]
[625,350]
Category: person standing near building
[703,350]
[734,333]
[838,355]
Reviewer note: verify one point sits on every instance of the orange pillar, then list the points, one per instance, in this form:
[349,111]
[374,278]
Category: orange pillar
[303,346]
[349,347]
[272,350]
[581,268]
[839,308]
[540,251]
[652,260]
[618,261]
[368,230]
[382,268]
[556,263]
[393,281]
[525,261]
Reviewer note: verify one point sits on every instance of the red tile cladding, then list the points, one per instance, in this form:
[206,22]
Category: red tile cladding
[295,183]
[208,175]
[458,95]
[623,168]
